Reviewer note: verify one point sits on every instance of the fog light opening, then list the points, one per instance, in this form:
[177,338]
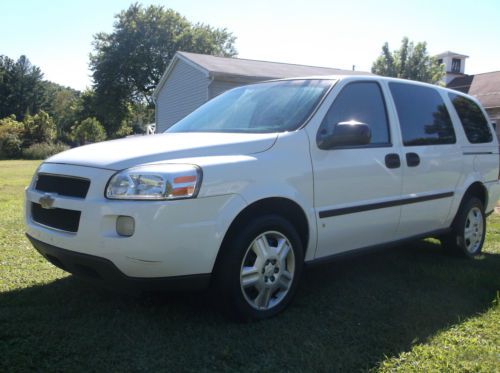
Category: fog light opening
[125,225]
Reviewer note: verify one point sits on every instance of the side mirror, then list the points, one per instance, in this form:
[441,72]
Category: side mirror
[349,133]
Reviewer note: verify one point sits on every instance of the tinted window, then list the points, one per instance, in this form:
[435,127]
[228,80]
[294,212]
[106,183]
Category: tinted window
[257,108]
[361,102]
[475,124]
[423,116]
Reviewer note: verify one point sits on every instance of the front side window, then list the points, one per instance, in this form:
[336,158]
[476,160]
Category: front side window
[422,114]
[475,124]
[258,108]
[360,102]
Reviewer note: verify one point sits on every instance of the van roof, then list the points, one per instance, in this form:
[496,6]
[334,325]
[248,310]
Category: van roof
[379,78]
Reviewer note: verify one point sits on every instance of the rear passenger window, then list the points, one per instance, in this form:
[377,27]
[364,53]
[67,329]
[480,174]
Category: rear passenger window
[361,102]
[475,124]
[423,116]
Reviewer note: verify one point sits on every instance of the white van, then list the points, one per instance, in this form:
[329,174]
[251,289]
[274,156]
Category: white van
[265,179]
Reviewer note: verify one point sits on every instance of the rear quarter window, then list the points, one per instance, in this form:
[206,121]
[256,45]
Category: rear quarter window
[423,116]
[473,121]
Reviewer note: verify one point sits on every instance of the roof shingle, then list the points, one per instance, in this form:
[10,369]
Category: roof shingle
[229,66]
[485,87]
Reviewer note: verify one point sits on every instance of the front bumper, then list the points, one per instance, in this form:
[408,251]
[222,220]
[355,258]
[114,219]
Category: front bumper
[171,238]
[103,271]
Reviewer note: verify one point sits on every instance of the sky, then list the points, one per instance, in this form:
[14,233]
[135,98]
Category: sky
[57,35]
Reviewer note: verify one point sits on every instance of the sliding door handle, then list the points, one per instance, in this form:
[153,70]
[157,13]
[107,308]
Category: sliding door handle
[392,160]
[412,159]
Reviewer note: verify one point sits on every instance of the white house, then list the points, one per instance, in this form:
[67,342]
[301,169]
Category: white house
[192,79]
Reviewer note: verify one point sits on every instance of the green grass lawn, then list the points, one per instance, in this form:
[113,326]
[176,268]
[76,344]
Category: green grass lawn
[408,308]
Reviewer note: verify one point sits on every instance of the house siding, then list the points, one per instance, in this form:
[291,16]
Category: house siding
[185,90]
[219,86]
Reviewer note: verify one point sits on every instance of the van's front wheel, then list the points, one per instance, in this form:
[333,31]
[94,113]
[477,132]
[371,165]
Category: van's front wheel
[260,268]
[468,229]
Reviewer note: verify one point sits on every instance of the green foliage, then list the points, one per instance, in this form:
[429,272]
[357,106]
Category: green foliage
[39,128]
[11,125]
[11,134]
[43,150]
[409,62]
[10,146]
[32,139]
[85,105]
[124,130]
[140,116]
[23,92]
[88,131]
[21,87]
[128,63]
[63,105]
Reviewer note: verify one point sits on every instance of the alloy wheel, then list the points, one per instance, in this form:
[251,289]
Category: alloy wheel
[473,230]
[267,270]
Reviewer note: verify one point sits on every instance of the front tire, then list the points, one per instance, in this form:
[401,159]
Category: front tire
[468,229]
[260,268]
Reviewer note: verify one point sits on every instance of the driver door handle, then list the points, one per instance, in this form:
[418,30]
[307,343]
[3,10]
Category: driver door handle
[392,160]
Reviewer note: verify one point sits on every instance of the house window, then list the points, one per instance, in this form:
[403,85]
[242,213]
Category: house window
[440,61]
[455,65]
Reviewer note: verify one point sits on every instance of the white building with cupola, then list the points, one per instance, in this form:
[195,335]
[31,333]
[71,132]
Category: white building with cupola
[454,64]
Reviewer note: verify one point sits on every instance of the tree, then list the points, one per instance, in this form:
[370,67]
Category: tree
[409,62]
[63,105]
[38,103]
[21,87]
[128,63]
[39,128]
[88,131]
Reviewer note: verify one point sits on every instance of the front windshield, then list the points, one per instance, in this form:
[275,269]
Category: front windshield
[258,108]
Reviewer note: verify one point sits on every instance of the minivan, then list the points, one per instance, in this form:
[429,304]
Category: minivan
[266,179]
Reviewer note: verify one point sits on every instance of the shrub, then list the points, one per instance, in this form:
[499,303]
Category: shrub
[10,146]
[39,128]
[11,133]
[88,131]
[43,150]
[11,125]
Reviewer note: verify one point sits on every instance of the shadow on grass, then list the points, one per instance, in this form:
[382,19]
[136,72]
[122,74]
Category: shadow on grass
[347,315]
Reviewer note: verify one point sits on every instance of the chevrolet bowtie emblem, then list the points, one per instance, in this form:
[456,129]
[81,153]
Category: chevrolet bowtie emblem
[46,201]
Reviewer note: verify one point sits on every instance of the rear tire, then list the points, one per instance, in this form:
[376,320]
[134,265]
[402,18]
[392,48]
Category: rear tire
[259,268]
[468,229]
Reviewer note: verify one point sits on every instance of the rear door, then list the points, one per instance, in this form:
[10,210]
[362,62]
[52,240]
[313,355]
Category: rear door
[432,160]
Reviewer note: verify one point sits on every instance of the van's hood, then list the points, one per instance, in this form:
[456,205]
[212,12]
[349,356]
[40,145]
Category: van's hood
[132,151]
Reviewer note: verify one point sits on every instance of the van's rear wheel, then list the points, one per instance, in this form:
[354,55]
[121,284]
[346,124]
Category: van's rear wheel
[468,229]
[260,268]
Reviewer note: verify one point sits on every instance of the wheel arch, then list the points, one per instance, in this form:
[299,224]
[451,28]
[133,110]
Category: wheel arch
[476,189]
[282,206]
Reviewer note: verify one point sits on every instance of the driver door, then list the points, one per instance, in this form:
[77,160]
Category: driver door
[355,186]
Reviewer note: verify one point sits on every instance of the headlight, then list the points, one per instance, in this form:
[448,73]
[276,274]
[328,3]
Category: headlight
[34,179]
[155,182]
